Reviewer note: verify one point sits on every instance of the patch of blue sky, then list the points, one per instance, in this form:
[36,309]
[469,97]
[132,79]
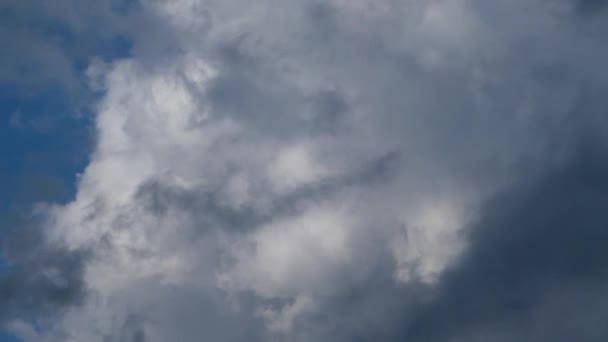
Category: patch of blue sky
[42,148]
[7,337]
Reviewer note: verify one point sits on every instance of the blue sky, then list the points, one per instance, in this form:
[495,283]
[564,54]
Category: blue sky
[41,136]
[7,338]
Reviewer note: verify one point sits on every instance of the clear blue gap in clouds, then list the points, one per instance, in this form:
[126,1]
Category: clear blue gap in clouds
[7,338]
[42,148]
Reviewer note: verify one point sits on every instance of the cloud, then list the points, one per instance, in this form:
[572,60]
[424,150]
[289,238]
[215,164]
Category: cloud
[47,46]
[39,279]
[590,6]
[342,171]
[536,254]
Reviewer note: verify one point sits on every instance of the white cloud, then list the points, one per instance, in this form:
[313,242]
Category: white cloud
[433,237]
[293,255]
[295,166]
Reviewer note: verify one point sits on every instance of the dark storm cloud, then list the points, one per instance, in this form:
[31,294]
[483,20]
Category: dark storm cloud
[590,6]
[41,280]
[537,258]
[536,269]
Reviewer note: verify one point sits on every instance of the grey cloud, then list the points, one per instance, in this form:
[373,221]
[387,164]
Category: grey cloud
[328,108]
[207,206]
[132,331]
[191,313]
[537,257]
[591,6]
[374,309]
[515,274]
[211,211]
[42,280]
[46,46]
[502,105]
[535,269]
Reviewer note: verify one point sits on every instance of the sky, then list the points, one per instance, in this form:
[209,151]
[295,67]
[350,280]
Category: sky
[286,170]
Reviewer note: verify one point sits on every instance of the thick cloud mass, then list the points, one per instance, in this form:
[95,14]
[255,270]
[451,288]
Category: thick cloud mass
[341,171]
[536,268]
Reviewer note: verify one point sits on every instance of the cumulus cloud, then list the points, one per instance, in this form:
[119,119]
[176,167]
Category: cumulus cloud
[343,171]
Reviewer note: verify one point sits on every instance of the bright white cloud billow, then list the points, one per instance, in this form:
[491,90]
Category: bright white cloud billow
[260,164]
